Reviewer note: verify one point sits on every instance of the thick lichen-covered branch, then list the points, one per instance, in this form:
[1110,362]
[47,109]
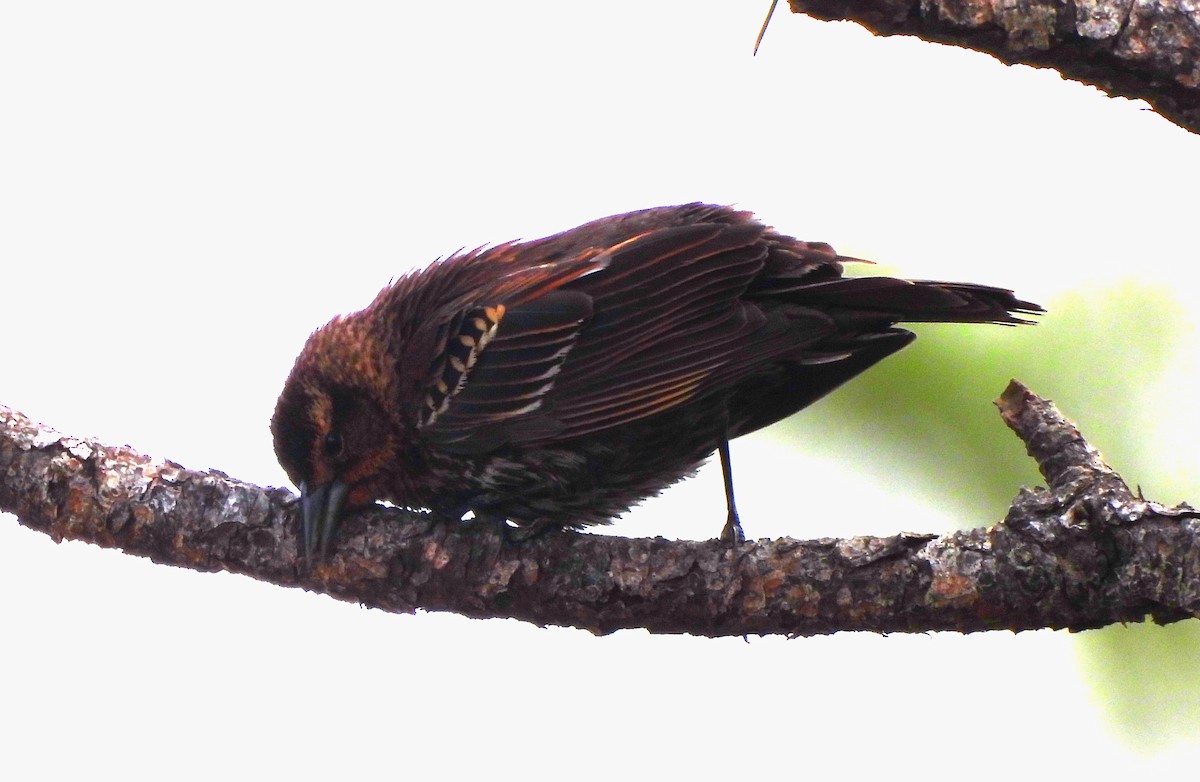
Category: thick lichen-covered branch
[1147,49]
[1084,553]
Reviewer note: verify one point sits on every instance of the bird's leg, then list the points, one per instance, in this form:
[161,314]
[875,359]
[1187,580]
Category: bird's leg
[479,519]
[512,532]
[527,530]
[733,526]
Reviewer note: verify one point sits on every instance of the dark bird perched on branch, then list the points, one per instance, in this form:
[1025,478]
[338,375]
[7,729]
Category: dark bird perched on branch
[560,381]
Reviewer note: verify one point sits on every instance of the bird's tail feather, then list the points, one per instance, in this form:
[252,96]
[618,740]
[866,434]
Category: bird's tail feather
[919,301]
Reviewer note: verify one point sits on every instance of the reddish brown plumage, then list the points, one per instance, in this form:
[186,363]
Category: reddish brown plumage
[562,380]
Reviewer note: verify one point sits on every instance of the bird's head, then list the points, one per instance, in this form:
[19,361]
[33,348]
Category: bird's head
[332,434]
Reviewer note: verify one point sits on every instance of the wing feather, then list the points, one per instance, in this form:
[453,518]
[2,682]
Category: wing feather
[607,335]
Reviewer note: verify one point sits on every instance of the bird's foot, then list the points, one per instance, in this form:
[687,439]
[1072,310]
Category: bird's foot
[732,532]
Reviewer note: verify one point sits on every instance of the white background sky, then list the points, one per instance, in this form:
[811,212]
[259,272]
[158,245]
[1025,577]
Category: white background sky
[186,190]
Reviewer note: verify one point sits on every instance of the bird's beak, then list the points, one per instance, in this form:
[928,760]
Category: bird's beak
[320,507]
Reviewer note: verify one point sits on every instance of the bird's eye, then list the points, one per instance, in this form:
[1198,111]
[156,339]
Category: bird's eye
[333,445]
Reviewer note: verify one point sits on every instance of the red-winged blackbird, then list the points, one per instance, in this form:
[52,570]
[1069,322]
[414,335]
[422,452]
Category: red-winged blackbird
[561,381]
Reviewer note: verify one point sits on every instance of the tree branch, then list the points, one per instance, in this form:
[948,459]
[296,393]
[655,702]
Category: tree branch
[1147,49]
[1084,553]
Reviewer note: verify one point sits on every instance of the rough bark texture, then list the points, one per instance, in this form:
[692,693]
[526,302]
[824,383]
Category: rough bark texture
[1148,49]
[1084,553]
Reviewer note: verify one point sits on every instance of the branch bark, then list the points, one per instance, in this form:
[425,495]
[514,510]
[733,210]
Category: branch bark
[1084,553]
[1147,49]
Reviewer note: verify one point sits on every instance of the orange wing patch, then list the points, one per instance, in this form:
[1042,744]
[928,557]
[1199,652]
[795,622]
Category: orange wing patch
[475,329]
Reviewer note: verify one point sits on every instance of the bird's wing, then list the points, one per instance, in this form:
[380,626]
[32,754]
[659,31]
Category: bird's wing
[601,339]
